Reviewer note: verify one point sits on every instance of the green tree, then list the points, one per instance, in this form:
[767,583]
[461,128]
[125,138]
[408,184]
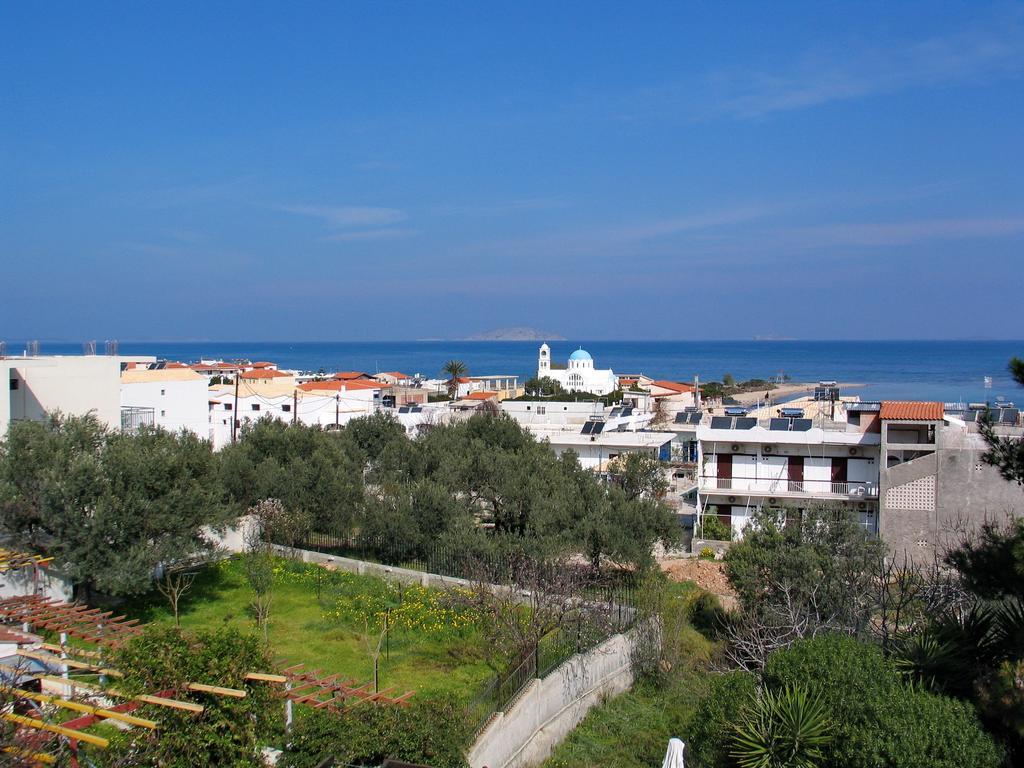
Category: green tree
[1006,453]
[373,435]
[543,386]
[728,380]
[640,475]
[311,471]
[109,506]
[455,369]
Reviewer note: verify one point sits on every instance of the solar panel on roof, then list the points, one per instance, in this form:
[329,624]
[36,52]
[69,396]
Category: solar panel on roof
[796,413]
[1008,416]
[588,427]
[802,425]
[696,417]
[746,423]
[615,411]
[598,427]
[404,409]
[416,409]
[779,425]
[683,418]
[735,410]
[721,422]
[627,411]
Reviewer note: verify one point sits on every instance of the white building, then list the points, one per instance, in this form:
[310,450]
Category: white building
[594,450]
[579,375]
[172,398]
[73,385]
[749,463]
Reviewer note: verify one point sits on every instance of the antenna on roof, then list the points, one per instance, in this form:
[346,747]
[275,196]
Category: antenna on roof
[3,349]
[88,347]
[111,346]
[32,348]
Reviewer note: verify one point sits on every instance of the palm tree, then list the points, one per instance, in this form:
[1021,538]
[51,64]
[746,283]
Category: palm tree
[455,369]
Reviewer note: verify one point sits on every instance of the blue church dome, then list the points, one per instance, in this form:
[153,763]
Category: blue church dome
[580,354]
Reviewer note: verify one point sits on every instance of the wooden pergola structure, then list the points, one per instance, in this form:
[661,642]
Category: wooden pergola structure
[69,619]
[11,560]
[332,692]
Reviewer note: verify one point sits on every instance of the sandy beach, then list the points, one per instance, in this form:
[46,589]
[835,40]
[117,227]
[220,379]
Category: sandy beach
[787,391]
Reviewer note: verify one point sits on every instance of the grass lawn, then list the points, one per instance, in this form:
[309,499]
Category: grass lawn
[430,648]
[632,730]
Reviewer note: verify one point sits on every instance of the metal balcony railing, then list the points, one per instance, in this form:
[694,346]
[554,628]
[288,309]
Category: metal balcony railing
[766,485]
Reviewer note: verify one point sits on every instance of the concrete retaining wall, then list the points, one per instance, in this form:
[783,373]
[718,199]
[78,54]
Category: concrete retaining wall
[364,568]
[547,709]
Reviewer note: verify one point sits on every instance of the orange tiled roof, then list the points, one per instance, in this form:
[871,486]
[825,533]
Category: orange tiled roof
[674,386]
[262,364]
[214,367]
[481,395]
[265,374]
[350,375]
[393,374]
[911,410]
[336,385]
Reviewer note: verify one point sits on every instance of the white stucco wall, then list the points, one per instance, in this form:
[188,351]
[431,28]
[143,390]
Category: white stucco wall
[176,405]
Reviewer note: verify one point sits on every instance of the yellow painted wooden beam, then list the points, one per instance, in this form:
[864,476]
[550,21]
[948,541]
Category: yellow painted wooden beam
[31,722]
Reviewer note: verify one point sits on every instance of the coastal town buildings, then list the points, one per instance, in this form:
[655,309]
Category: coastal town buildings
[578,375]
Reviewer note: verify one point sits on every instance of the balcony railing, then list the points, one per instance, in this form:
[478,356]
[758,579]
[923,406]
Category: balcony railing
[767,485]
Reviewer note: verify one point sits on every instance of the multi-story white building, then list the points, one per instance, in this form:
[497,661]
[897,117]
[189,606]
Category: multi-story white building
[747,463]
[579,375]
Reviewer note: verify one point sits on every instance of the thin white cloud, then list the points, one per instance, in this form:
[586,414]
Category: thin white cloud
[989,50]
[365,235]
[840,75]
[898,233]
[347,216]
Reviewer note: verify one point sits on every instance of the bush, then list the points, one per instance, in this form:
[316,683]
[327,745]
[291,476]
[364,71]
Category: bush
[706,553]
[879,720]
[711,732]
[230,730]
[783,729]
[712,527]
[431,732]
[706,613]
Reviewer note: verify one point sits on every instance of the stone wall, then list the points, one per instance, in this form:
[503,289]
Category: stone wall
[547,709]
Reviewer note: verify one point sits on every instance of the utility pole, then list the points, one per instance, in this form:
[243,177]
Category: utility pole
[295,406]
[234,415]
[337,407]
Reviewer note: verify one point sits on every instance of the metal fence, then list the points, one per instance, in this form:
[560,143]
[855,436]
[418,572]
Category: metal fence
[613,597]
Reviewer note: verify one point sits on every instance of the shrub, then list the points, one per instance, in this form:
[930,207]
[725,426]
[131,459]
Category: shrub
[706,553]
[879,719]
[712,527]
[706,613]
[711,732]
[432,732]
[782,729]
[230,730]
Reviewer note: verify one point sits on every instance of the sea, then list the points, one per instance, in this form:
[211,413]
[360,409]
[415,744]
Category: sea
[948,371]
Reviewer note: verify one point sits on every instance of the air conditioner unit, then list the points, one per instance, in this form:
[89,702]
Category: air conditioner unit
[772,500]
[732,499]
[862,506]
[735,447]
[853,451]
[767,448]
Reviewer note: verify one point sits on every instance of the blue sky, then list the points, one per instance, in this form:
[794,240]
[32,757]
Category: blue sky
[321,171]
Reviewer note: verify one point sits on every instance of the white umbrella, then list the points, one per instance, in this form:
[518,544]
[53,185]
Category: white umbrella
[674,755]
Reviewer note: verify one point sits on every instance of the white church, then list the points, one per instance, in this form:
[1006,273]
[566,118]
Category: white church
[579,375]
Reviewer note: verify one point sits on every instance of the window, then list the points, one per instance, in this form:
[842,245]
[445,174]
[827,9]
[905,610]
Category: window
[255,406]
[227,406]
[163,392]
[542,410]
[286,407]
[163,413]
[14,384]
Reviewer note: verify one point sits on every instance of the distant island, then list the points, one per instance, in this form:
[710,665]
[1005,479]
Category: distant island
[518,333]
